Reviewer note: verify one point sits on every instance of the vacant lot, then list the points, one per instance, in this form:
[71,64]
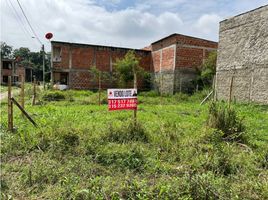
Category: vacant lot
[82,151]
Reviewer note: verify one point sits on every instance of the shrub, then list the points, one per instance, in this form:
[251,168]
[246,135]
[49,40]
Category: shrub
[53,96]
[225,119]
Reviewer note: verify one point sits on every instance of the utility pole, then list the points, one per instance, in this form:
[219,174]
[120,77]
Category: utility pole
[43,52]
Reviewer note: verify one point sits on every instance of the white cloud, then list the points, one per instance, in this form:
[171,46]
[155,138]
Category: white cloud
[84,21]
[129,23]
[208,24]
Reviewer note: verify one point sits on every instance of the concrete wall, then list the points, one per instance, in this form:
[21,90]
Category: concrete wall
[243,55]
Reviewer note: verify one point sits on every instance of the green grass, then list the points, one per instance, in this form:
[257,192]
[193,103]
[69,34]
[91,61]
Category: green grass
[82,151]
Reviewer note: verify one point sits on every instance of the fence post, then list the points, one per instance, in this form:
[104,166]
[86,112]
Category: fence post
[34,92]
[135,111]
[231,90]
[10,106]
[100,88]
[22,91]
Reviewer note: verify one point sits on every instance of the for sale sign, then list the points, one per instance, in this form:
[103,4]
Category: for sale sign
[122,99]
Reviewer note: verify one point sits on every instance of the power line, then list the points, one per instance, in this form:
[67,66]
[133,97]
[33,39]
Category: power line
[17,17]
[29,22]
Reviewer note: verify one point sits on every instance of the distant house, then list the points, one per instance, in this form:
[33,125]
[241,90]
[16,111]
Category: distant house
[242,65]
[10,68]
[171,60]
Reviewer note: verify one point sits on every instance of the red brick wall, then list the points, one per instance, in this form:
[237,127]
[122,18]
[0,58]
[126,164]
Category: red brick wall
[19,72]
[64,63]
[189,57]
[187,40]
[190,52]
[164,43]
[103,58]
[6,72]
[82,58]
[85,56]
[156,57]
[168,55]
[163,59]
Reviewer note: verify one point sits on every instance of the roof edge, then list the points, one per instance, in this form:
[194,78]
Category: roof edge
[95,45]
[177,34]
[249,11]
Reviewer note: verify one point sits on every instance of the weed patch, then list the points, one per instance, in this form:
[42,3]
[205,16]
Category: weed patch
[128,132]
[226,119]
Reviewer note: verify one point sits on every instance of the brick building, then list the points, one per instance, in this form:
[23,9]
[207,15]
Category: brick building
[172,61]
[175,59]
[10,68]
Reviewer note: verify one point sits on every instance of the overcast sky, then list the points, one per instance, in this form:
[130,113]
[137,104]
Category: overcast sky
[125,23]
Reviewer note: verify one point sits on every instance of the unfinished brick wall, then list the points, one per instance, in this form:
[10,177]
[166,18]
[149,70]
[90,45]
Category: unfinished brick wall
[77,59]
[172,60]
[175,59]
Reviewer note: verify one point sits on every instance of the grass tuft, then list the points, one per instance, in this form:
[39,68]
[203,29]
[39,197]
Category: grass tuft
[226,119]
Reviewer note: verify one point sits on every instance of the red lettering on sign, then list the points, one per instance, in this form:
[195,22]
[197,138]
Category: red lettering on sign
[122,104]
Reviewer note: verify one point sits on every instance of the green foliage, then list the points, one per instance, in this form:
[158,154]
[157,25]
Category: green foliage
[129,132]
[25,57]
[6,50]
[209,67]
[152,93]
[207,71]
[82,151]
[53,96]
[226,120]
[126,68]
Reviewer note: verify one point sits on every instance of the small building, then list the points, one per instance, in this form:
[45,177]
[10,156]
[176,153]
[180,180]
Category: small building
[242,64]
[9,67]
[175,59]
[172,61]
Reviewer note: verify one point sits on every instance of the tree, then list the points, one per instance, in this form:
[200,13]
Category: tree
[6,50]
[209,67]
[127,69]
[33,59]
[207,70]
[99,76]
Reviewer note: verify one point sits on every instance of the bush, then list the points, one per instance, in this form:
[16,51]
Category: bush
[53,96]
[226,120]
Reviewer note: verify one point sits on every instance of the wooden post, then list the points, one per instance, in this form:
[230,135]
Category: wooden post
[10,106]
[162,78]
[99,88]
[22,91]
[180,84]
[23,111]
[161,88]
[230,91]
[135,87]
[214,87]
[34,92]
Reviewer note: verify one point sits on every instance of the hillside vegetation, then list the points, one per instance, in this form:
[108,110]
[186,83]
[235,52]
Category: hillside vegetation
[178,150]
